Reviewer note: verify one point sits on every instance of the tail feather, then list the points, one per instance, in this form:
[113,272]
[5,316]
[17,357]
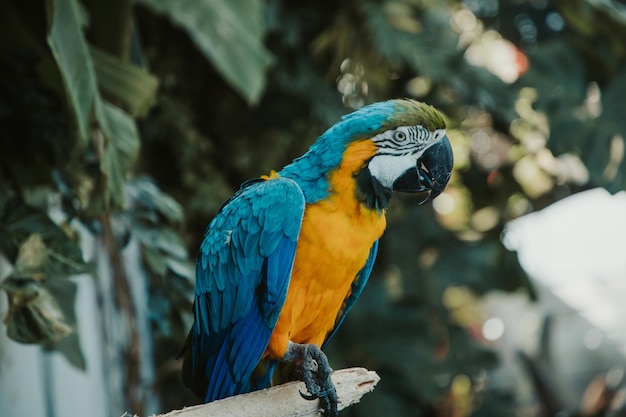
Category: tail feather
[195,384]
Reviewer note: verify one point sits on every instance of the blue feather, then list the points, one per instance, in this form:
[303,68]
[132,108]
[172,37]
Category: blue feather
[277,273]
[243,300]
[242,275]
[220,378]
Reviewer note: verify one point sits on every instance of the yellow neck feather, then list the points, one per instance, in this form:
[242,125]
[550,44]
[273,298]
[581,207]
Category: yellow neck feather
[342,180]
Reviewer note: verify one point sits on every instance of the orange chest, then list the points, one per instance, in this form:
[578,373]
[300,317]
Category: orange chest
[338,232]
[332,248]
[334,245]
[335,240]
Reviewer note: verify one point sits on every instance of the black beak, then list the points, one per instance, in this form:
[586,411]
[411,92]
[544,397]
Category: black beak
[431,173]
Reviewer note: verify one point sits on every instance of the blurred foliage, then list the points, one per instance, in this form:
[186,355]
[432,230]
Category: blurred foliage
[220,91]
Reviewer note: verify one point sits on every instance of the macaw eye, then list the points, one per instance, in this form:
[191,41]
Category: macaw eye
[438,134]
[399,136]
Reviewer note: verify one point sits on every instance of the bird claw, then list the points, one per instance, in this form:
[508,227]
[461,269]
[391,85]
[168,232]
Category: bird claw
[316,372]
[309,397]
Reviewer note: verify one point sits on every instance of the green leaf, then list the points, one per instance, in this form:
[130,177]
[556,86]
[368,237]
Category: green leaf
[150,198]
[32,256]
[69,346]
[121,140]
[64,292]
[182,268]
[123,81]
[120,152]
[71,53]
[29,238]
[34,315]
[156,262]
[229,34]
[163,239]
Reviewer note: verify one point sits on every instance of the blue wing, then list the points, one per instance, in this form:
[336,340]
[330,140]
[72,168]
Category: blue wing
[242,276]
[357,288]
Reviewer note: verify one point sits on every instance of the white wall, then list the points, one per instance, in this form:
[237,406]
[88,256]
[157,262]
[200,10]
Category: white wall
[36,383]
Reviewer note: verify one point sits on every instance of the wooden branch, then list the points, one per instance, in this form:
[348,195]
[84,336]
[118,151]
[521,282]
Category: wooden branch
[285,400]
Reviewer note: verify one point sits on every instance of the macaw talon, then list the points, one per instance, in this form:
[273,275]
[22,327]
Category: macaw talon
[309,397]
[315,373]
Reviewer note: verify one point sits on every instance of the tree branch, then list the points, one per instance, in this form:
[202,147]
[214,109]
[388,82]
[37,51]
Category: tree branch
[285,400]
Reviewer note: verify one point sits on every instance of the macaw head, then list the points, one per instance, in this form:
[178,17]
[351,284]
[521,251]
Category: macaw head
[406,150]
[413,153]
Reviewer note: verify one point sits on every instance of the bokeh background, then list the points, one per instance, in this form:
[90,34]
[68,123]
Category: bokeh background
[125,124]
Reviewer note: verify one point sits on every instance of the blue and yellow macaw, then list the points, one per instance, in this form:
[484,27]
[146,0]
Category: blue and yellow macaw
[287,256]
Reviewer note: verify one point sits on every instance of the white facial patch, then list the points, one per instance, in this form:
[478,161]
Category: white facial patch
[438,135]
[388,168]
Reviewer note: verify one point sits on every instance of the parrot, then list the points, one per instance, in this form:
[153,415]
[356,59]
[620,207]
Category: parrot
[286,257]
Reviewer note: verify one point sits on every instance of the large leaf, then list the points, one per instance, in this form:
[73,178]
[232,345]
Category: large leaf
[120,152]
[149,198]
[34,315]
[120,144]
[229,34]
[30,238]
[74,61]
[123,81]
[43,312]
[64,292]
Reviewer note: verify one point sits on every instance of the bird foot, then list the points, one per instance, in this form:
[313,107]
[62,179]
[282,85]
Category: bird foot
[315,373]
